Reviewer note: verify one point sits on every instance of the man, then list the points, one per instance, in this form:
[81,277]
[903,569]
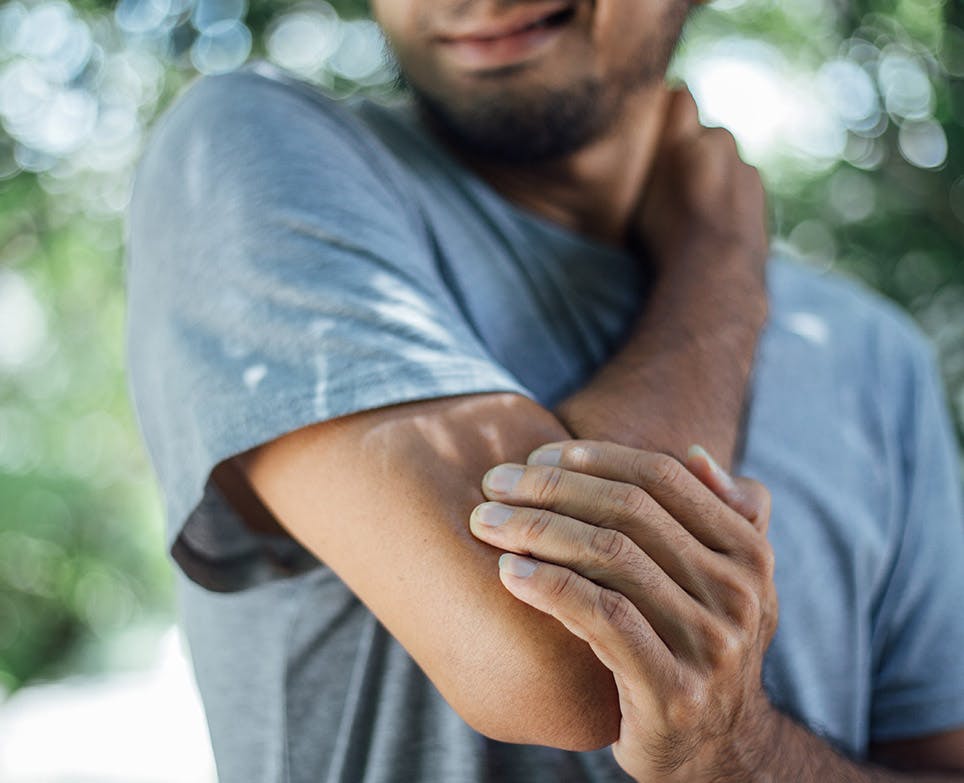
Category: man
[352,326]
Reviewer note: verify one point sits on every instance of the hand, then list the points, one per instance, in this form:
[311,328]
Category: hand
[701,204]
[670,586]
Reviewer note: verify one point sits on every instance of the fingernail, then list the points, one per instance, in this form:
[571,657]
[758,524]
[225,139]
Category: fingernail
[517,566]
[722,475]
[503,478]
[492,514]
[545,455]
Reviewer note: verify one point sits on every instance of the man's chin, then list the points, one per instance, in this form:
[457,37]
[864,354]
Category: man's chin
[540,126]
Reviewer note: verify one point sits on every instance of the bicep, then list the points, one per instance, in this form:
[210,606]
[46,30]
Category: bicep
[383,498]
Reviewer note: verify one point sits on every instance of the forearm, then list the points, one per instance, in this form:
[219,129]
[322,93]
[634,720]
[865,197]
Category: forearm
[682,375]
[791,752]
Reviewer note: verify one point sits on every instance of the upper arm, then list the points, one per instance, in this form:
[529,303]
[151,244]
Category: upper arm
[937,752]
[383,498]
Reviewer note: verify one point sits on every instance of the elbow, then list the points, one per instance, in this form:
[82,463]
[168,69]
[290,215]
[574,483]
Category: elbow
[570,703]
[573,732]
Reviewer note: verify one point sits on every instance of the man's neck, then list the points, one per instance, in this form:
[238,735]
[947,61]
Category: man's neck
[594,191]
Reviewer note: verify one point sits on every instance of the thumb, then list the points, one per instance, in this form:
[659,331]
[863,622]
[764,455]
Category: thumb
[747,497]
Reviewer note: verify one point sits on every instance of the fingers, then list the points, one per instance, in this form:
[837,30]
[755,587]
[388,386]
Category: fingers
[747,497]
[604,556]
[756,502]
[618,506]
[620,636]
[664,479]
[680,531]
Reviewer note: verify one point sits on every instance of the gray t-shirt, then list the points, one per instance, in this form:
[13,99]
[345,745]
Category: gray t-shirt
[294,258]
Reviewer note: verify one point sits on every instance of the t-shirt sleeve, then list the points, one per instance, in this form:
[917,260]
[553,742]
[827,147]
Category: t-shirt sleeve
[919,624]
[277,276]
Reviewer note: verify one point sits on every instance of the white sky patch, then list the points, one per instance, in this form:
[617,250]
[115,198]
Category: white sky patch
[253,375]
[809,327]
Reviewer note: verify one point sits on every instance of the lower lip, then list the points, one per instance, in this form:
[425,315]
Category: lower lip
[496,52]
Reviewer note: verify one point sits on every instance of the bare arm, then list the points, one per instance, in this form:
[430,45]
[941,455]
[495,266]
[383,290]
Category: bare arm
[674,592]
[794,753]
[383,497]
[682,375]
[675,384]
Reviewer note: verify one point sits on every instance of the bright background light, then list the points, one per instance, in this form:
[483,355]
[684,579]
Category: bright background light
[142,726]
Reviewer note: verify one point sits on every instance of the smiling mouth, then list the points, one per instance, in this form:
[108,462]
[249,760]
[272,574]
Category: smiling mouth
[508,50]
[555,19]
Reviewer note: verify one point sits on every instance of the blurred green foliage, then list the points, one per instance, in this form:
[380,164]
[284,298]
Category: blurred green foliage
[878,193]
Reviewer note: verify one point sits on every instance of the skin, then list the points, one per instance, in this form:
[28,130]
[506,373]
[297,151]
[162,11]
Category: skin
[667,574]
[425,577]
[701,230]
[640,173]
[592,182]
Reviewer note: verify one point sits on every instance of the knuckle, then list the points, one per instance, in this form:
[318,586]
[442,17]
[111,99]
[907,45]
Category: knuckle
[628,501]
[665,472]
[687,703]
[723,137]
[722,644]
[613,609]
[761,558]
[545,483]
[562,588]
[609,546]
[747,606]
[581,455]
[641,465]
[537,522]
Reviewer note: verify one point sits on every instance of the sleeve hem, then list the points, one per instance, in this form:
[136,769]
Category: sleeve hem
[276,417]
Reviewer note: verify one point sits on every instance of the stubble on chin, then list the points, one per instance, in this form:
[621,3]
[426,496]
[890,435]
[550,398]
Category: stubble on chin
[534,123]
[527,126]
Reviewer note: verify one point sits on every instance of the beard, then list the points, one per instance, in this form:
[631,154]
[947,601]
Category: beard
[512,127]
[538,123]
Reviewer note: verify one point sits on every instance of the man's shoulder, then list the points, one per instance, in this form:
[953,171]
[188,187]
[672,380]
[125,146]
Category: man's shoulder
[258,122]
[259,92]
[257,145]
[842,313]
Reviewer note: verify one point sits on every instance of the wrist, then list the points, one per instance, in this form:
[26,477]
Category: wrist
[711,295]
[743,754]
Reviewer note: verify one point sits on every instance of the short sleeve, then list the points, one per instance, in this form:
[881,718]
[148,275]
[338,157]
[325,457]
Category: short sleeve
[919,625]
[277,276]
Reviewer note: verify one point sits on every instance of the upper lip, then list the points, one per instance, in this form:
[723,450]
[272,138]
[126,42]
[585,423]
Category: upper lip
[512,22]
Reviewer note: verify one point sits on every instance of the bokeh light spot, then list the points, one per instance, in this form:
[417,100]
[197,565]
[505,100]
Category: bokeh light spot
[222,47]
[852,195]
[923,144]
[23,325]
[303,40]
